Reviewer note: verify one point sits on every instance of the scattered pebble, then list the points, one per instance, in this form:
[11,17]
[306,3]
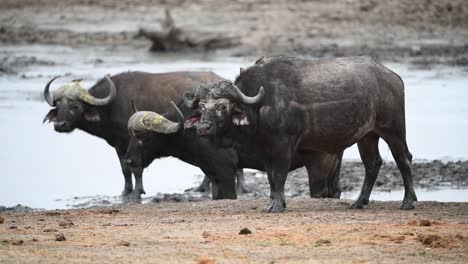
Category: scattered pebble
[245,231]
[65,223]
[205,234]
[425,223]
[123,243]
[17,242]
[108,211]
[60,237]
[2,220]
[50,230]
[322,242]
[13,227]
[35,239]
[428,239]
[205,261]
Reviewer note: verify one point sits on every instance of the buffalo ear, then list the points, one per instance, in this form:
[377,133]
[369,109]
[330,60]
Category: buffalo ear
[190,100]
[91,115]
[50,116]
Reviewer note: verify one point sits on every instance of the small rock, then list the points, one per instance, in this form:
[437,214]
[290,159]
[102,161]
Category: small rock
[50,230]
[60,237]
[35,239]
[17,242]
[245,231]
[123,243]
[425,223]
[65,223]
[13,227]
[2,220]
[323,242]
[205,261]
[205,234]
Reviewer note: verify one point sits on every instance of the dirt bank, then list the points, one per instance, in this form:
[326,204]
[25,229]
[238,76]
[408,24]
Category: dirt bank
[425,31]
[311,230]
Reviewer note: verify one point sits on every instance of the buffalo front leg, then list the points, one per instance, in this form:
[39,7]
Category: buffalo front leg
[277,171]
[369,150]
[139,190]
[222,187]
[127,172]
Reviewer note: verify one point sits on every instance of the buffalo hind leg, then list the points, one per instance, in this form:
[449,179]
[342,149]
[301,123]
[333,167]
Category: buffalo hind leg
[318,167]
[334,189]
[369,150]
[403,157]
[240,182]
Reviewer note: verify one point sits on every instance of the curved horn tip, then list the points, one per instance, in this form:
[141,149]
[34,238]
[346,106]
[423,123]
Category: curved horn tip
[49,99]
[104,101]
[181,116]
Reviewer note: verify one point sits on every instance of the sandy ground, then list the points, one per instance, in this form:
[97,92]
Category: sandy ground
[311,230]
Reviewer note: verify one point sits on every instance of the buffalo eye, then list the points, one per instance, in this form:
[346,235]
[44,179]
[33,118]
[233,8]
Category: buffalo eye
[140,143]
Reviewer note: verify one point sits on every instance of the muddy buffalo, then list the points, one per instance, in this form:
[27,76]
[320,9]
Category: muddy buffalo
[105,108]
[288,107]
[155,135]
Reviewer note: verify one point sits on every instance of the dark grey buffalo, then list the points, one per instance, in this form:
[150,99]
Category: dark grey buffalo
[157,135]
[105,108]
[286,107]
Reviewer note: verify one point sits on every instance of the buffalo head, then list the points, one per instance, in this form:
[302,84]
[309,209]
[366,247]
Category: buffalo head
[142,126]
[219,106]
[74,103]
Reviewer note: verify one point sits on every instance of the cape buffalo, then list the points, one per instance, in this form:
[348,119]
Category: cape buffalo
[285,106]
[105,108]
[154,135]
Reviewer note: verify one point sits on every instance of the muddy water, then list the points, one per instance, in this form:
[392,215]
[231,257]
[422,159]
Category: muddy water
[40,165]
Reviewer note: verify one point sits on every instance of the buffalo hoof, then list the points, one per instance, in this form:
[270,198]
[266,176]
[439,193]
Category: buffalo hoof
[365,201]
[356,205]
[275,206]
[407,205]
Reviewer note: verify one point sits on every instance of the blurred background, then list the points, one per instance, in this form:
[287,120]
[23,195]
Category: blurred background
[424,41]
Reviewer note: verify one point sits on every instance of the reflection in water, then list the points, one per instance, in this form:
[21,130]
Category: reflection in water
[444,195]
[40,165]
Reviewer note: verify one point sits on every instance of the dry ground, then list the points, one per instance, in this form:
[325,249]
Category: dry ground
[208,232]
